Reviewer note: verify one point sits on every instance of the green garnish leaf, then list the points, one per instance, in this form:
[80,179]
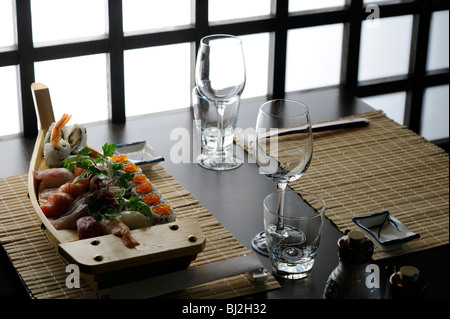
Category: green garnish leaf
[108,149]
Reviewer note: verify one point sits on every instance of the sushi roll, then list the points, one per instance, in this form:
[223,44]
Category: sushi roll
[57,149]
[62,135]
[77,137]
[142,189]
[131,167]
[162,214]
[153,198]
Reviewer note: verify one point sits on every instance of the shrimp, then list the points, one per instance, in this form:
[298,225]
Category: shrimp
[57,149]
[118,228]
[56,131]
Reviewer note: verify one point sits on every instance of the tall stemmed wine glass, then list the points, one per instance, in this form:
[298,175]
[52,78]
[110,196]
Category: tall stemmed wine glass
[283,149]
[220,78]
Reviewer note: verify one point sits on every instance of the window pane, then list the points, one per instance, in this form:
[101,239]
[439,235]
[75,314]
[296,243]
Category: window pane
[256,53]
[392,104]
[435,113]
[385,47]
[313,57]
[372,1]
[149,14]
[6,23]
[301,5]
[9,124]
[78,86]
[157,79]
[438,46]
[233,9]
[66,19]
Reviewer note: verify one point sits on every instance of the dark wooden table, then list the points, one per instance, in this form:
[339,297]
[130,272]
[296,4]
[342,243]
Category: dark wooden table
[233,197]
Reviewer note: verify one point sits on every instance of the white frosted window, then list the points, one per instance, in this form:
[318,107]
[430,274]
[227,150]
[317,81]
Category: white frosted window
[256,53]
[234,9]
[157,79]
[151,14]
[66,19]
[313,57]
[367,2]
[301,5]
[435,113]
[438,44]
[78,86]
[6,23]
[9,103]
[393,105]
[385,47]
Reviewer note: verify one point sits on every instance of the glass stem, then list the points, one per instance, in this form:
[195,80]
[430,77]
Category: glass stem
[221,138]
[281,186]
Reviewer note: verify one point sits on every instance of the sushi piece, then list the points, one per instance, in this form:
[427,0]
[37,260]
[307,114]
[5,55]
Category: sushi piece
[57,149]
[57,204]
[54,177]
[87,227]
[75,188]
[77,137]
[162,214]
[78,209]
[62,134]
[118,228]
[142,189]
[135,220]
[153,198]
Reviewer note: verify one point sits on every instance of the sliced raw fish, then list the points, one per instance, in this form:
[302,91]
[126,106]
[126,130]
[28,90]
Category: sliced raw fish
[77,210]
[87,227]
[54,177]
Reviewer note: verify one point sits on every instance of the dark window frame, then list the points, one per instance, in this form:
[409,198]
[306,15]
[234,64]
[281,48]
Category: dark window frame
[276,24]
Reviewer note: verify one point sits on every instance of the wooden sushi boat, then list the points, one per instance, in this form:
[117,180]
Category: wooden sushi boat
[104,260]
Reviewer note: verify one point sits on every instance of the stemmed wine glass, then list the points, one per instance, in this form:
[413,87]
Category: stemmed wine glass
[220,77]
[283,149]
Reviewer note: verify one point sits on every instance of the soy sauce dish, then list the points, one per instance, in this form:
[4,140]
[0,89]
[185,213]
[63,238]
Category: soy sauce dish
[139,153]
[387,231]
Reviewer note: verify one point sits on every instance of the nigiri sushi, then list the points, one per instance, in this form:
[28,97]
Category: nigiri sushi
[118,228]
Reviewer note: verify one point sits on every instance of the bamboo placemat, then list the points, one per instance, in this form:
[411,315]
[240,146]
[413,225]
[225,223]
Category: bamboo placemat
[383,166]
[43,271]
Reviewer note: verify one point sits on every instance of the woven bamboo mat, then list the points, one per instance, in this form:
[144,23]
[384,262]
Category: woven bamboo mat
[383,166]
[43,271]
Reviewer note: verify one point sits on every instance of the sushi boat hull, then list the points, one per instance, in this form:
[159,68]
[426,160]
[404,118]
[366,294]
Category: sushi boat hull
[105,261]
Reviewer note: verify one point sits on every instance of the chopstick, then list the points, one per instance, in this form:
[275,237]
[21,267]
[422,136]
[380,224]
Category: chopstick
[319,127]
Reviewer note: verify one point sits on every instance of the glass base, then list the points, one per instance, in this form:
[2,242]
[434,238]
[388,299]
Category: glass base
[259,243]
[293,271]
[219,163]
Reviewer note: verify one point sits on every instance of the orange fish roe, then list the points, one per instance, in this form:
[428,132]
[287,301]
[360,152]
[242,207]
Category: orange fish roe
[119,158]
[130,167]
[144,188]
[162,209]
[139,178]
[152,199]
